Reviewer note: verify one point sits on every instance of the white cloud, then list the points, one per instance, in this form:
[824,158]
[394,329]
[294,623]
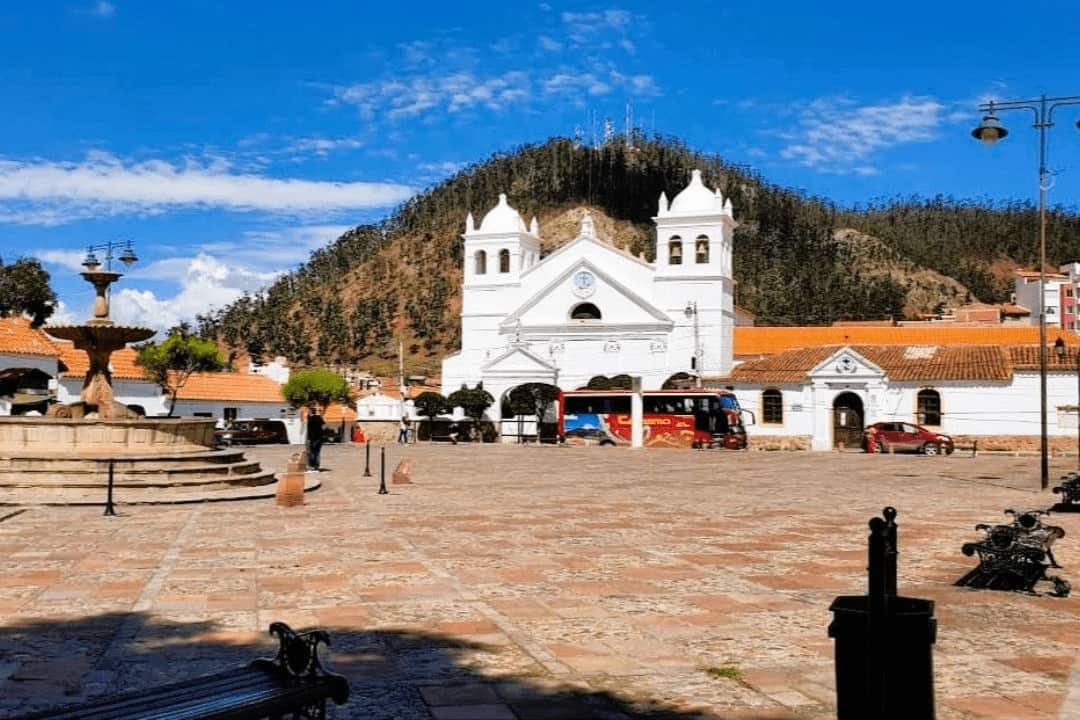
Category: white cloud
[102,9]
[46,192]
[581,26]
[323,146]
[205,283]
[571,83]
[408,97]
[549,44]
[447,167]
[65,259]
[838,135]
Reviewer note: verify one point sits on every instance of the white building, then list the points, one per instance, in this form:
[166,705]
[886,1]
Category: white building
[1059,293]
[591,309]
[821,397]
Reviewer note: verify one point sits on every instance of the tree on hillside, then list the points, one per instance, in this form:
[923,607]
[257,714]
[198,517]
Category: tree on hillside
[474,401]
[315,387]
[431,405]
[534,399]
[25,289]
[171,363]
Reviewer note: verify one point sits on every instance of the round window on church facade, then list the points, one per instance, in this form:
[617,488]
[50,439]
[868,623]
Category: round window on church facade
[585,311]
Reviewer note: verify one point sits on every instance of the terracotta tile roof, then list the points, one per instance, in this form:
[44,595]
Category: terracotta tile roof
[228,386]
[1010,309]
[18,338]
[1034,274]
[75,363]
[756,341]
[899,362]
[1026,357]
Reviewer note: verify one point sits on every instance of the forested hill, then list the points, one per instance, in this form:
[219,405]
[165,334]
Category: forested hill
[798,259]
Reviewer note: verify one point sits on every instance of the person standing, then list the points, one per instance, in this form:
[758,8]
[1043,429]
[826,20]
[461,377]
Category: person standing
[315,425]
[403,431]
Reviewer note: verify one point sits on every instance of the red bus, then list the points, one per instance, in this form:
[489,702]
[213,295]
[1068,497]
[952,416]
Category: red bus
[672,418]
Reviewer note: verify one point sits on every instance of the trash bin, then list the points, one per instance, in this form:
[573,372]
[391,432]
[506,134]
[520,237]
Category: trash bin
[884,658]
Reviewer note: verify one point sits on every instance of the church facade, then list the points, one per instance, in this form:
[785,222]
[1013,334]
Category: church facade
[590,308]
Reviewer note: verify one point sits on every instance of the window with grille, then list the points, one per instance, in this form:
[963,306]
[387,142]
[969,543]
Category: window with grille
[772,407]
[929,410]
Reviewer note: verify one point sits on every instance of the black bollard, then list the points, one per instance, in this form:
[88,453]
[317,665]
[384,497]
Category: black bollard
[382,471]
[109,509]
[884,660]
[367,458]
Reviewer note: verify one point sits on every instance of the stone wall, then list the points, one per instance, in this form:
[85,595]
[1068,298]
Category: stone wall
[779,442]
[1017,443]
[144,436]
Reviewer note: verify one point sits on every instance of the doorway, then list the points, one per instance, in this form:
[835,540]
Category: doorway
[847,421]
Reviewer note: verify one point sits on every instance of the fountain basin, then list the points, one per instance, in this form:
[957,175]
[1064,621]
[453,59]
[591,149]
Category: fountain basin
[60,461]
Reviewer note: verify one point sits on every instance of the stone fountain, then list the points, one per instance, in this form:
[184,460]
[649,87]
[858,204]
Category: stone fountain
[100,337]
[66,457]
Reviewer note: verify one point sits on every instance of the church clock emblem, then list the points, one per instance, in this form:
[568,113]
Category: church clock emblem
[584,283]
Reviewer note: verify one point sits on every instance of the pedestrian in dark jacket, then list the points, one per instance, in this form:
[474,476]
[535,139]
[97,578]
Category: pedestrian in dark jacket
[315,425]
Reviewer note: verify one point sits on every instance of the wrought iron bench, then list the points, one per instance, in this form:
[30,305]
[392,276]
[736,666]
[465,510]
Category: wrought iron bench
[1015,556]
[293,684]
[1069,489]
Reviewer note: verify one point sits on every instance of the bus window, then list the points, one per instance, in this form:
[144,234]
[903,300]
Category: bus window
[729,402]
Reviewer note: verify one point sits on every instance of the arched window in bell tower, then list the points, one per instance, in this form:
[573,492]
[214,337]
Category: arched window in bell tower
[481,262]
[701,249]
[504,261]
[675,250]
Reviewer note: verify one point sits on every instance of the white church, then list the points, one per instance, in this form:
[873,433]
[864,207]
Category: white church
[590,308]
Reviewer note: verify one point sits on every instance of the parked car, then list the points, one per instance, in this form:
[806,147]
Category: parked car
[886,437]
[252,432]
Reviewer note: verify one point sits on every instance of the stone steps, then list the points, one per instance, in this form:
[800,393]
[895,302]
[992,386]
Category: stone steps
[27,479]
[145,496]
[130,476]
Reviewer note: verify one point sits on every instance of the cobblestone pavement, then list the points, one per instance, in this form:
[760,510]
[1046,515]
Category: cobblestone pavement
[524,582]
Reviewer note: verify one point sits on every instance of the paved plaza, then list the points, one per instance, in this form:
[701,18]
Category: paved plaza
[530,583]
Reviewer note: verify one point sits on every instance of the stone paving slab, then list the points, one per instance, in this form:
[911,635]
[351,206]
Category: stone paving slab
[524,582]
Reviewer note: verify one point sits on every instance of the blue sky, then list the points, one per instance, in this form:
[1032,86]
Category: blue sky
[228,140]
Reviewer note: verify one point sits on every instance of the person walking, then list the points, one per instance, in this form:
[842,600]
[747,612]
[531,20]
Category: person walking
[315,425]
[403,431]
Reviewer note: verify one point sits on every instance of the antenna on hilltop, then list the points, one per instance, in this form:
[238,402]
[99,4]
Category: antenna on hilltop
[629,120]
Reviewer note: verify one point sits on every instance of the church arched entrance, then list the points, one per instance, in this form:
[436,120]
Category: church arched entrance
[847,420]
[519,421]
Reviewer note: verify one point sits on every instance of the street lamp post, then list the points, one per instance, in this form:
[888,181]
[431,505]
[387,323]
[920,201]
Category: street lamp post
[692,312]
[127,256]
[991,130]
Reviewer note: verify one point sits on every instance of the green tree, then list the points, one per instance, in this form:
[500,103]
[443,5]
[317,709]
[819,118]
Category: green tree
[431,405]
[534,399]
[25,289]
[315,387]
[171,363]
[474,401]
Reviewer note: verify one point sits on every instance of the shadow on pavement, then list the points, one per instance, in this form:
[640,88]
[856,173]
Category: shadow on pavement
[392,673]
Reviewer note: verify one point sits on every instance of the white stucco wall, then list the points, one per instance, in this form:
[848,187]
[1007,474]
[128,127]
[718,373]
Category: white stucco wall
[128,392]
[968,408]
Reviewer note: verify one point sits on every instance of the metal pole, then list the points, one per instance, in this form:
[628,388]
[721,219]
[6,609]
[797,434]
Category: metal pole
[1044,459]
[382,471]
[367,458]
[109,509]
[1078,409]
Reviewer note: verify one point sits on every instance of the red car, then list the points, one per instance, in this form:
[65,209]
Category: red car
[886,437]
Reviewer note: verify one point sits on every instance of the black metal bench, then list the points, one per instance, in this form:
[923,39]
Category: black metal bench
[1015,556]
[294,684]
[1069,489]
